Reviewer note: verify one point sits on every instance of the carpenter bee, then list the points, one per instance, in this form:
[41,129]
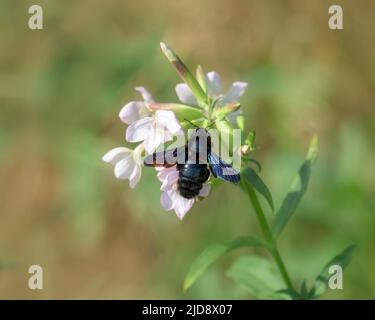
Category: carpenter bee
[195,162]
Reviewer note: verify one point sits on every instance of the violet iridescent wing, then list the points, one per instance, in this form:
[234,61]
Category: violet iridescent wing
[221,169]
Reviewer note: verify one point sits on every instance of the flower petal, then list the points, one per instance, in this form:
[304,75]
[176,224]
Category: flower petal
[213,83]
[153,140]
[170,180]
[137,154]
[168,120]
[205,190]
[185,94]
[124,168]
[116,154]
[147,97]
[135,176]
[167,136]
[166,201]
[139,130]
[132,112]
[237,90]
[164,172]
[182,206]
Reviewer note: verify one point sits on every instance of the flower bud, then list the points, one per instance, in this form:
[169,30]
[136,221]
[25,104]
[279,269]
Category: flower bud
[245,149]
[181,111]
[185,74]
[225,110]
[250,140]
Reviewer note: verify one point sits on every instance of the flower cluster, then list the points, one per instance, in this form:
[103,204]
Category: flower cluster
[151,124]
[148,128]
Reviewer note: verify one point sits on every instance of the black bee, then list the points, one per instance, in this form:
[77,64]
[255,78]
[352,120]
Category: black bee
[194,162]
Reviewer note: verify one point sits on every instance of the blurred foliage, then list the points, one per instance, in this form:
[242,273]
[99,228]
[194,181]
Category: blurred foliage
[61,90]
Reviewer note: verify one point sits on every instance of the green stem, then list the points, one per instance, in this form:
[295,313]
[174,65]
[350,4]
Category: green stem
[280,263]
[269,236]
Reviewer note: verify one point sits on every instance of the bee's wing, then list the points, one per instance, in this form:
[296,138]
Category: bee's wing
[221,169]
[166,158]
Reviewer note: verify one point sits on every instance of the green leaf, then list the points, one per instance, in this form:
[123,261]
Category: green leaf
[342,259]
[185,74]
[304,293]
[258,275]
[182,111]
[291,293]
[240,120]
[252,178]
[206,258]
[259,167]
[246,241]
[250,140]
[214,252]
[296,190]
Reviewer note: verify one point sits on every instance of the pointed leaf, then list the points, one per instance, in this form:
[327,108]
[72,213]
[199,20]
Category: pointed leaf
[258,275]
[259,167]
[341,259]
[296,190]
[252,178]
[250,140]
[214,252]
[291,293]
[304,293]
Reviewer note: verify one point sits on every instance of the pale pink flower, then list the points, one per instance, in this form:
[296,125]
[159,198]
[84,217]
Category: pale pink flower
[214,89]
[144,125]
[154,130]
[170,198]
[136,110]
[127,163]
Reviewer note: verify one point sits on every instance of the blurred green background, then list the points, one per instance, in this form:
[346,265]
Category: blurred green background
[61,89]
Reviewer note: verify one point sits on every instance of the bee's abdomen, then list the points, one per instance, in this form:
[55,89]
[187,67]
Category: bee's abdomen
[192,177]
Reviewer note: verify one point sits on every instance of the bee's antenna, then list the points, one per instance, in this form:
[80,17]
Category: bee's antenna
[193,124]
